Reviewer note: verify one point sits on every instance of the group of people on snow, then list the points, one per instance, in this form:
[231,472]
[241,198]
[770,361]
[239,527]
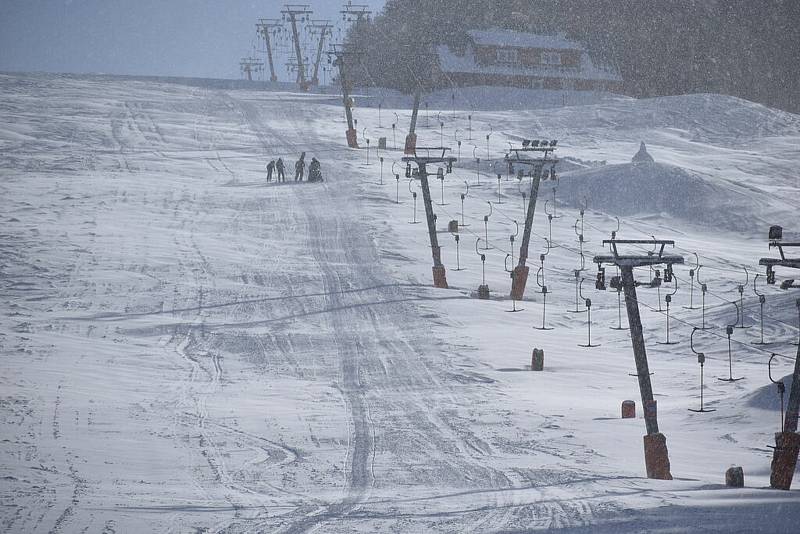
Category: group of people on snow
[279,168]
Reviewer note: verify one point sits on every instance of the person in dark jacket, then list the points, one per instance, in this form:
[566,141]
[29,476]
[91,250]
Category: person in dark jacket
[270,168]
[299,168]
[314,171]
[281,170]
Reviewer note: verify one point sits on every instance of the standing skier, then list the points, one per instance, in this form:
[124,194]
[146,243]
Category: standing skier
[270,168]
[281,170]
[299,168]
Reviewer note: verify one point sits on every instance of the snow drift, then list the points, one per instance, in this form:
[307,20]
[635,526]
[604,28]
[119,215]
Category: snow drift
[656,188]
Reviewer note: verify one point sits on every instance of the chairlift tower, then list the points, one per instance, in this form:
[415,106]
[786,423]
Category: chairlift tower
[342,58]
[355,13]
[249,65]
[324,29]
[433,155]
[655,443]
[411,138]
[522,157]
[291,12]
[776,241]
[263,28]
[787,442]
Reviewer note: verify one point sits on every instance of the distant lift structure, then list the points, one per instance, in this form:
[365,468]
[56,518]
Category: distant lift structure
[525,157]
[249,65]
[432,156]
[787,442]
[355,13]
[265,28]
[656,455]
[322,29]
[344,57]
[292,12]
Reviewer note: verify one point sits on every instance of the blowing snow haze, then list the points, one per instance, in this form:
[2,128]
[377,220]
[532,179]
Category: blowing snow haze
[383,299]
[745,49]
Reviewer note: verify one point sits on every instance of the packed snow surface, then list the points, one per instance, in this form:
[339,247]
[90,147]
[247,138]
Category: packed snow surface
[188,348]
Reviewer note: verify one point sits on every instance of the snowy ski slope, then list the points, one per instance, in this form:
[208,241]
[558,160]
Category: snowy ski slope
[186,348]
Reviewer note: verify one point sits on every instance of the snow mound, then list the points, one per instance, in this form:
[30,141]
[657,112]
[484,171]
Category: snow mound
[642,156]
[485,98]
[767,398]
[645,189]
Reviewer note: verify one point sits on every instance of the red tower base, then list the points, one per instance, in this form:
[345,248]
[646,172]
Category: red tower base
[734,477]
[411,144]
[628,409]
[352,138]
[656,456]
[439,277]
[518,280]
[784,459]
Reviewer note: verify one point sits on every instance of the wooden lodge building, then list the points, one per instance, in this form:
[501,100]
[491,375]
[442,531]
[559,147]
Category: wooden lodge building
[525,60]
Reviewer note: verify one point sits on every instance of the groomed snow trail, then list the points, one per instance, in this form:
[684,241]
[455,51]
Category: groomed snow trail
[188,348]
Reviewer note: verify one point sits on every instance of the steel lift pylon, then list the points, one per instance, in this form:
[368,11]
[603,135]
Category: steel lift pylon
[522,157]
[433,155]
[656,454]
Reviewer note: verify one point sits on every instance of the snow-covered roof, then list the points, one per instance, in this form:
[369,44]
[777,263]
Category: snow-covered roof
[450,62]
[510,38]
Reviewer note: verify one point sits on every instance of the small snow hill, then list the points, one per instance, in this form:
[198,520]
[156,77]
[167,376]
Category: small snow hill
[654,188]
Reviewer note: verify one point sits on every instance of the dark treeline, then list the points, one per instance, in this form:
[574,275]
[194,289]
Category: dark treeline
[749,49]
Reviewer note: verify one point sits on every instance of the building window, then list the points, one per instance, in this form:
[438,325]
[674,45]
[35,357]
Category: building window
[507,55]
[551,58]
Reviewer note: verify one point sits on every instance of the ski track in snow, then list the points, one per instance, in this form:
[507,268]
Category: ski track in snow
[186,347]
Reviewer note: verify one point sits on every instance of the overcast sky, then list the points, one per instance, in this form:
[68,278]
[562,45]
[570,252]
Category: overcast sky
[204,38]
